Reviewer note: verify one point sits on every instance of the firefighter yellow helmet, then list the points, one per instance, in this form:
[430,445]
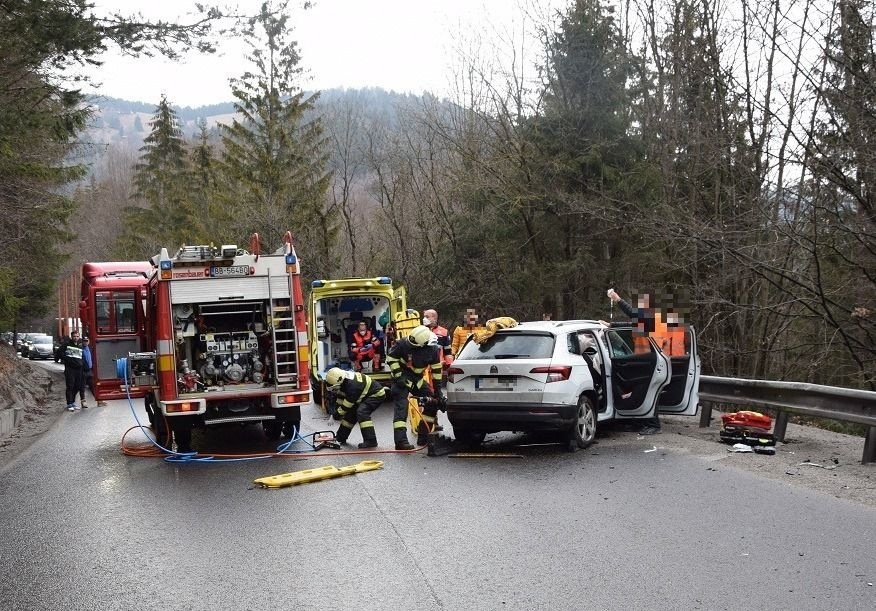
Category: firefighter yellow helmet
[420,336]
[334,376]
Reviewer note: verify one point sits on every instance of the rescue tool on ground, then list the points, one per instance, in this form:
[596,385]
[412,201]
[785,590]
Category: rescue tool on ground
[226,341]
[315,475]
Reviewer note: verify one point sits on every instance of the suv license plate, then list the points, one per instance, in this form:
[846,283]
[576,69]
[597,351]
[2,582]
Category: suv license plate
[495,383]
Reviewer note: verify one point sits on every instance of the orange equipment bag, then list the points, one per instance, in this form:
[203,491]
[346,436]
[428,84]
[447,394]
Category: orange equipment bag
[747,419]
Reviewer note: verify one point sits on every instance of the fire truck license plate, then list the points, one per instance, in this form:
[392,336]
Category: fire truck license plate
[230,270]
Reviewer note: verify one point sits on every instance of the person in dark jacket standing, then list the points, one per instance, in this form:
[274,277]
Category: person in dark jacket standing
[357,397]
[71,355]
[647,322]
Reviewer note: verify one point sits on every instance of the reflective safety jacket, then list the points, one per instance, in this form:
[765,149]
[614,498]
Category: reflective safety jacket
[353,391]
[408,364]
[443,336]
[364,344]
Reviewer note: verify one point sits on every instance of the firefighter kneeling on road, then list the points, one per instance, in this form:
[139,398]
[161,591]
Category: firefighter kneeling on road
[408,361]
[357,398]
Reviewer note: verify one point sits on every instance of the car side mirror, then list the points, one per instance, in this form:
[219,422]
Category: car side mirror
[590,350]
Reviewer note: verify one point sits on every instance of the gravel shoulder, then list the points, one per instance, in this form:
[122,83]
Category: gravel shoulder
[810,458]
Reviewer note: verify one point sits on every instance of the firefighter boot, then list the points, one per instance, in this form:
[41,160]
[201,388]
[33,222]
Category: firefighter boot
[369,437]
[401,437]
[344,431]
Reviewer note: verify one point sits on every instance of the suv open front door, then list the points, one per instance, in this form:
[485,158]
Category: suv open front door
[636,377]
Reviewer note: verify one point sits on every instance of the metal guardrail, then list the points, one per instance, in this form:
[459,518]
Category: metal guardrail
[831,402]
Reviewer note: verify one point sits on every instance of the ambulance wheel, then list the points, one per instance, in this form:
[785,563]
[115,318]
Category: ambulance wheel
[583,430]
[273,429]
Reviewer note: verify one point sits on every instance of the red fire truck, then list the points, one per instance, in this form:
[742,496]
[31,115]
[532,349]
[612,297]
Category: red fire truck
[226,341]
[112,311]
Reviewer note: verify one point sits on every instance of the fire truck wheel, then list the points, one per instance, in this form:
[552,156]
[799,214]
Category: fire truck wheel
[290,427]
[183,438]
[160,432]
[273,429]
[156,420]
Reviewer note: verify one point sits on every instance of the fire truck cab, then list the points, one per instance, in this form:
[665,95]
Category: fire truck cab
[112,312]
[226,341]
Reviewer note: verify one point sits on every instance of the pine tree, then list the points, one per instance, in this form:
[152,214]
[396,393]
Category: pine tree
[43,46]
[205,187]
[583,157]
[275,155]
[168,217]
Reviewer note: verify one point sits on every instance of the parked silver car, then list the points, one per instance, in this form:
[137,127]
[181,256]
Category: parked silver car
[565,376]
[42,347]
[24,340]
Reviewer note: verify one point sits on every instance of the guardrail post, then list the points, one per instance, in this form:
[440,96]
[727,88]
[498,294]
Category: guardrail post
[869,446]
[705,414]
[780,426]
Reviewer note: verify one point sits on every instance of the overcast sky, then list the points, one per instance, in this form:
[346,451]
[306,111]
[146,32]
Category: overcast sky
[404,45]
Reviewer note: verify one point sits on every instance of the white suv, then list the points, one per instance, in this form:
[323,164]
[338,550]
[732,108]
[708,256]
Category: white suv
[565,376]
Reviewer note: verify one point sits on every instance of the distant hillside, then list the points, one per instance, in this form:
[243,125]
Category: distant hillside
[118,121]
[123,122]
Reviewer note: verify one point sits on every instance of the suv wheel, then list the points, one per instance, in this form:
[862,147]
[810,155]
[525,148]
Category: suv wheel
[467,438]
[583,431]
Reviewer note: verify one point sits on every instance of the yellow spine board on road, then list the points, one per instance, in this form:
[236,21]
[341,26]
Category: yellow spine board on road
[315,475]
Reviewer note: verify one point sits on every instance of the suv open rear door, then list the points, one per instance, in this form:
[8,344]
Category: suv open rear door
[681,396]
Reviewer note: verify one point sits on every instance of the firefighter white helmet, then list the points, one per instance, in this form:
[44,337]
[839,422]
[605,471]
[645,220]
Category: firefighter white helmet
[334,376]
[420,336]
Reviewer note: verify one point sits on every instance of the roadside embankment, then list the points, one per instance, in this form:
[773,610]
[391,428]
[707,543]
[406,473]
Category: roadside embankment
[30,398]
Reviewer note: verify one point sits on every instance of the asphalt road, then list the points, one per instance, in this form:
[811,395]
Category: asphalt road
[614,527]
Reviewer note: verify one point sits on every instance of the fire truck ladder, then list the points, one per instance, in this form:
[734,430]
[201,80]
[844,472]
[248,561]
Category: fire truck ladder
[283,335]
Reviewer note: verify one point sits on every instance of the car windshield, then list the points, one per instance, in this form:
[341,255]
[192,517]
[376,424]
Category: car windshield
[511,346]
[43,341]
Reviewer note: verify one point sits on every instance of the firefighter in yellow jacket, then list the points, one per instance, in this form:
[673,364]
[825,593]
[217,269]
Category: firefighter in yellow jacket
[408,361]
[357,397]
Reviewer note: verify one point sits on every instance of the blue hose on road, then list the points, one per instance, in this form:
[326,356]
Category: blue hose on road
[187,457]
